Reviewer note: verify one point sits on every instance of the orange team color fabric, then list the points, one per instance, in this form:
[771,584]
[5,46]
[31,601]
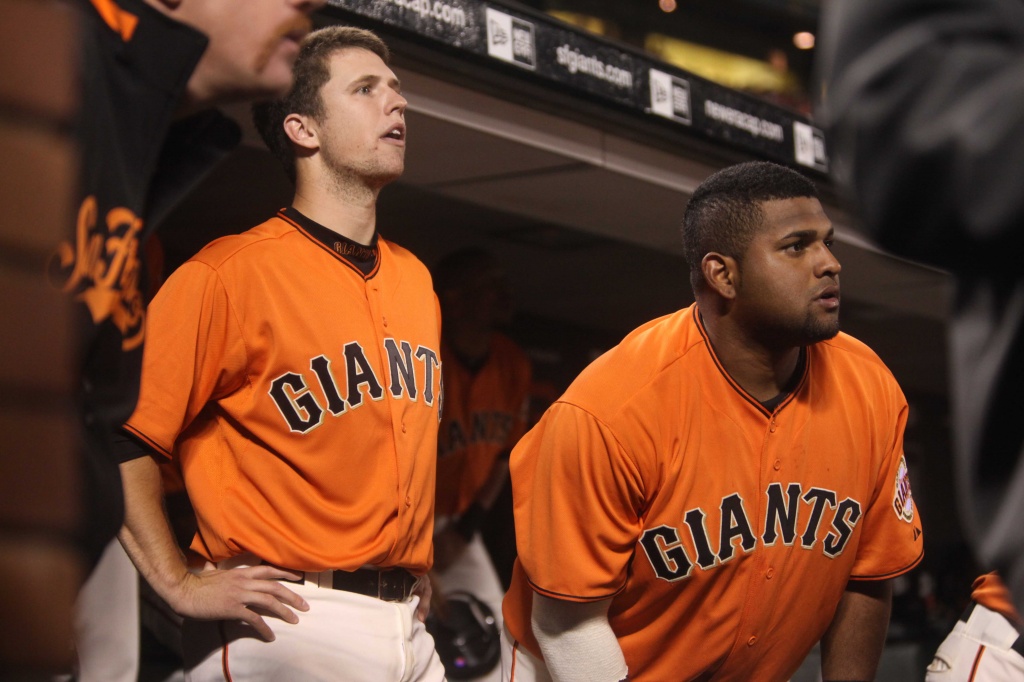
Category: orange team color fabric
[301,399]
[484,415]
[725,534]
[990,591]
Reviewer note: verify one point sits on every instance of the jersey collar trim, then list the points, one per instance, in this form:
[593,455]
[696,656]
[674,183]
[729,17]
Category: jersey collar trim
[363,259]
[803,367]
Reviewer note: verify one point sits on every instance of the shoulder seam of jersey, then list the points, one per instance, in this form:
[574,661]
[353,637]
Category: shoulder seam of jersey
[678,355]
[249,242]
[232,309]
[611,431]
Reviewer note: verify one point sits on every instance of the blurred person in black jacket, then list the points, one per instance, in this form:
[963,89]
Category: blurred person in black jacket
[151,73]
[924,108]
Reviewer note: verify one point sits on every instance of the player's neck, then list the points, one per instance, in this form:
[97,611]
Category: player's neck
[761,371]
[350,214]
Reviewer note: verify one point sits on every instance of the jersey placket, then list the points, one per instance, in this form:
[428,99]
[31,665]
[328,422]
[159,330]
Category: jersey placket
[762,580]
[382,328]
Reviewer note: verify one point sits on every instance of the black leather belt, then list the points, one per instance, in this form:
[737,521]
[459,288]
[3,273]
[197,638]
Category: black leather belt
[395,584]
[388,584]
[392,584]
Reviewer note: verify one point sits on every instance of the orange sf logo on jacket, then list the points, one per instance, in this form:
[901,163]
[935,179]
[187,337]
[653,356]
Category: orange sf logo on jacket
[103,270]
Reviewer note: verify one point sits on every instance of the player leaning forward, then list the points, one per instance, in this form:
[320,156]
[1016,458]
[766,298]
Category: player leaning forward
[727,486]
[293,372]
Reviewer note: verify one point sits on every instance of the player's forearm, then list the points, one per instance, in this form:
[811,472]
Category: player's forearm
[853,643]
[577,641]
[146,534]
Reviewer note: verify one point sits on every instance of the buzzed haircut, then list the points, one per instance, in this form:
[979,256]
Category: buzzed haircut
[724,213]
[312,71]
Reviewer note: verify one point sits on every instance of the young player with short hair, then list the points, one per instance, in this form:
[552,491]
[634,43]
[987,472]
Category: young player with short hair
[293,371]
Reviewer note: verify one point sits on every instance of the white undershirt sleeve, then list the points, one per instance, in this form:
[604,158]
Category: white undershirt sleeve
[577,641]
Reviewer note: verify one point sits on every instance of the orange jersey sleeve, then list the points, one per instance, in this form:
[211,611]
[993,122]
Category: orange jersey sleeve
[300,397]
[990,591]
[707,518]
[210,355]
[484,415]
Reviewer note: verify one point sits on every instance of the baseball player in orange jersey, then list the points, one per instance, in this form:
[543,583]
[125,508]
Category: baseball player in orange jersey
[985,644]
[293,371]
[486,386]
[727,486]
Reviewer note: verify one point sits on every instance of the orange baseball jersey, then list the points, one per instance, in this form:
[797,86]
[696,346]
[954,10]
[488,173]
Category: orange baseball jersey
[990,591]
[484,415]
[300,396]
[723,532]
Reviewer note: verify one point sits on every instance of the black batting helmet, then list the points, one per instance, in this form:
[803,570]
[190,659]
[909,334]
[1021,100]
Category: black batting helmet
[466,636]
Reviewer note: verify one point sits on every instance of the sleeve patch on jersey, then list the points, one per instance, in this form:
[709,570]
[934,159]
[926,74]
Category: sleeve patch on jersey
[902,499]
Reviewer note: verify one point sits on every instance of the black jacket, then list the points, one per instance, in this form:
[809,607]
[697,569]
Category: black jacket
[924,107]
[137,161]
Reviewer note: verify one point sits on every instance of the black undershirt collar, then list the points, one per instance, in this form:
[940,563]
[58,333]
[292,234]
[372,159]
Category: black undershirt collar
[772,403]
[361,257]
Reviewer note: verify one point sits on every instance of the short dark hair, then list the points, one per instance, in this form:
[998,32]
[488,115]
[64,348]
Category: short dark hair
[312,70]
[725,211]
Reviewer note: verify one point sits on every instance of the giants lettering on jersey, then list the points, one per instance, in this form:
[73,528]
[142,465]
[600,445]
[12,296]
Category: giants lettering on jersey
[302,409]
[487,427]
[790,515]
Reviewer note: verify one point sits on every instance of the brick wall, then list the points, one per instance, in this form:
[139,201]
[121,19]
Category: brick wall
[39,570]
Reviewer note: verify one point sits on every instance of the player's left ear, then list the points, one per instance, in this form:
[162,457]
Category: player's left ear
[720,273]
[303,131]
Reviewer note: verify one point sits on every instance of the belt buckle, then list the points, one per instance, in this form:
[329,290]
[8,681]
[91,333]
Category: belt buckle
[392,585]
[385,586]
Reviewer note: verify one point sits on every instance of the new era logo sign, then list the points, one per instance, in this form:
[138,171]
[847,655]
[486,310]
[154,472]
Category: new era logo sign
[670,96]
[809,146]
[510,39]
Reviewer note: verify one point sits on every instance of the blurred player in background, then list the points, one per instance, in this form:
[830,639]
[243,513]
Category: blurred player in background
[486,388]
